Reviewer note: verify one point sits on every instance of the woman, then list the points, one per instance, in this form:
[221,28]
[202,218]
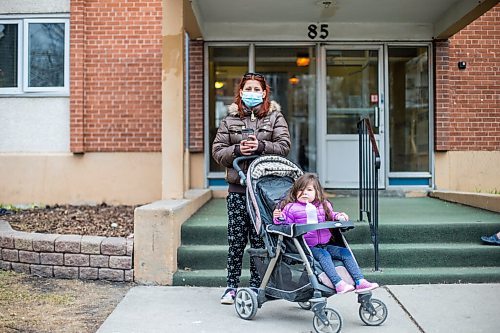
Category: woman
[252,110]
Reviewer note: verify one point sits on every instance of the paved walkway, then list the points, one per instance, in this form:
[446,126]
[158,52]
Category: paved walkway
[412,308]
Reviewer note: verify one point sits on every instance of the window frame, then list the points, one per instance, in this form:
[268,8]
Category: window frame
[18,88]
[23,87]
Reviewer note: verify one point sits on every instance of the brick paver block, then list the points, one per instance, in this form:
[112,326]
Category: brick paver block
[115,246]
[91,244]
[20,268]
[66,272]
[99,261]
[129,275]
[10,255]
[7,240]
[44,242]
[121,262]
[55,259]
[23,241]
[68,243]
[89,273]
[130,246]
[76,259]
[5,265]
[111,274]
[29,257]
[5,226]
[42,270]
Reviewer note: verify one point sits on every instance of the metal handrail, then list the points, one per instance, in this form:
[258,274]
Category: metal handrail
[369,166]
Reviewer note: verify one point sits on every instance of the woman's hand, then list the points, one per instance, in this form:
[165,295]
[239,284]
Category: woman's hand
[342,217]
[249,146]
[276,213]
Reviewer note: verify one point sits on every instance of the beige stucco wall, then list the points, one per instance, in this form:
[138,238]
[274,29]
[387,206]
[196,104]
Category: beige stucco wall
[114,178]
[468,171]
[197,170]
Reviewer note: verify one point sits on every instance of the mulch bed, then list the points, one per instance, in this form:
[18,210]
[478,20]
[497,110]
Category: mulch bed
[100,220]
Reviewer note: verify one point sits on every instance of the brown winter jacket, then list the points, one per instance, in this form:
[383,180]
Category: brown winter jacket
[271,131]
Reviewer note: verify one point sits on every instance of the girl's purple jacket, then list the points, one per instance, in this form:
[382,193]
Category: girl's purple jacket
[296,213]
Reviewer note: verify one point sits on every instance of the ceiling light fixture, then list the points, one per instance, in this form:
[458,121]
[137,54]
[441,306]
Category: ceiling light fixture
[302,60]
[293,80]
[325,3]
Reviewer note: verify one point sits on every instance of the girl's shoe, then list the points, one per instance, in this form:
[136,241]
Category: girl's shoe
[363,285]
[228,296]
[343,287]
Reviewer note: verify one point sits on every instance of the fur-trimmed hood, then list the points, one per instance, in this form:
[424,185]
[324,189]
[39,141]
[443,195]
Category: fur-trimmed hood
[232,109]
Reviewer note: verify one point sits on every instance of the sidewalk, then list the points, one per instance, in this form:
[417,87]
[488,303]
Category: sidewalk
[436,308]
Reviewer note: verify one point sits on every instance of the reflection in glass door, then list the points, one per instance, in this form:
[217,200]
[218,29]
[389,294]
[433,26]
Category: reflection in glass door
[354,89]
[226,65]
[291,73]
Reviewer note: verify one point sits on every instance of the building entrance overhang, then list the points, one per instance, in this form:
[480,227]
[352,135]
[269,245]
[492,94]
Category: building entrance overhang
[364,20]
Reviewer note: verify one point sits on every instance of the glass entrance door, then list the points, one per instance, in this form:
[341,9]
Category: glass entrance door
[353,89]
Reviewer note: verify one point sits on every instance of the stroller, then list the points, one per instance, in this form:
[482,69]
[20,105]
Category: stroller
[286,266]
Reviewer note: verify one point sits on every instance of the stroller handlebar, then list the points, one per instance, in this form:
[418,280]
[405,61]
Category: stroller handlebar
[294,230]
[301,229]
[237,167]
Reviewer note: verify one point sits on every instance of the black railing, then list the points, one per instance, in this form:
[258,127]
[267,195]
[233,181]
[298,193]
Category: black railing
[369,165]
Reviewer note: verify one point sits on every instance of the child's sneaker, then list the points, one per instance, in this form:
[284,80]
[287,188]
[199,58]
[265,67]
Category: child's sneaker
[229,296]
[343,287]
[363,285]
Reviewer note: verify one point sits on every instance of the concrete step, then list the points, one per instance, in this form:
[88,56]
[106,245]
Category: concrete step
[388,276]
[200,231]
[391,255]
[422,240]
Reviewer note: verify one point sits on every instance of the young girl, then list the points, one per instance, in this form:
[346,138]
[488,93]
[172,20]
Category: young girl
[307,189]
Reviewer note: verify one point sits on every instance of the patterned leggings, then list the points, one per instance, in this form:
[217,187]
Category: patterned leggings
[240,228]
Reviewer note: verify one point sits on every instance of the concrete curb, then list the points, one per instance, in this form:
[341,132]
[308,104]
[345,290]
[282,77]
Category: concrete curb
[480,200]
[157,233]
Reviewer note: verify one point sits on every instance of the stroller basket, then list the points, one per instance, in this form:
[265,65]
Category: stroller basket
[289,279]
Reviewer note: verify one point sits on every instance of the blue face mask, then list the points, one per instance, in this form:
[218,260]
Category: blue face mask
[251,98]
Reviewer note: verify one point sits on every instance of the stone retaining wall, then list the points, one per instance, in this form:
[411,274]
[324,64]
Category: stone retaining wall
[66,256]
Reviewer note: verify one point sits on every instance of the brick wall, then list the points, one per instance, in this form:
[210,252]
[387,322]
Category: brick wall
[116,55]
[196,127]
[468,101]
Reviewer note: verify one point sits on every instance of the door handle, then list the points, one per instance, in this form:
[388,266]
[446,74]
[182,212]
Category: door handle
[377,116]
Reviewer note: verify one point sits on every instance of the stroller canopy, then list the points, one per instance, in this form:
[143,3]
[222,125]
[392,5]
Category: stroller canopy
[268,180]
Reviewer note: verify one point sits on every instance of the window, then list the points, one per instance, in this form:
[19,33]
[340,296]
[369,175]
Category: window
[409,109]
[34,56]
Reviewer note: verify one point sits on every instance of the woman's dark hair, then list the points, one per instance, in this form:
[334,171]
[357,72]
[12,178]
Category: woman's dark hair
[300,185]
[264,108]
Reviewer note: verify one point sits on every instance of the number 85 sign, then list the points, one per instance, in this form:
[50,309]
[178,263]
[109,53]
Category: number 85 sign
[317,30]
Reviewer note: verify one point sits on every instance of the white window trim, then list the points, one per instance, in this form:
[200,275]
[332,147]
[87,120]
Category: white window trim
[22,63]
[65,88]
[18,89]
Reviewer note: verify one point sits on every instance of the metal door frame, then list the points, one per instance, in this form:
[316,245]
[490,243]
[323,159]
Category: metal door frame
[322,107]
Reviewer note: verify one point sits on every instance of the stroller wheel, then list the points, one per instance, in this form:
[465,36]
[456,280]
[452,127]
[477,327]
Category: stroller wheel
[374,314]
[305,305]
[246,304]
[334,319]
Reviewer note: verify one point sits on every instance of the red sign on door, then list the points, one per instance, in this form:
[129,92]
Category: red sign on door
[374,98]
